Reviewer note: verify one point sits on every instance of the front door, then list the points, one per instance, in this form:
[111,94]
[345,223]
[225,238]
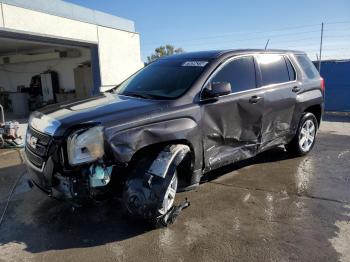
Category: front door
[232,123]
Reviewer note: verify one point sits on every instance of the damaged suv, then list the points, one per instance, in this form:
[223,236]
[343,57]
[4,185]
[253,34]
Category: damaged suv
[174,120]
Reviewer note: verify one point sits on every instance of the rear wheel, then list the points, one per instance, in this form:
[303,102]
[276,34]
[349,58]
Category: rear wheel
[305,137]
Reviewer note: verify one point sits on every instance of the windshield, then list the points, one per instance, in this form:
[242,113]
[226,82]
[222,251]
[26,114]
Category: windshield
[163,79]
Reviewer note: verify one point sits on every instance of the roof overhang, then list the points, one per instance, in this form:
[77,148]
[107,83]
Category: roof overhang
[75,12]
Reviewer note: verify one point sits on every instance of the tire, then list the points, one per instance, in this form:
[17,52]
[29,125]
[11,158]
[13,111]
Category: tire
[305,138]
[147,197]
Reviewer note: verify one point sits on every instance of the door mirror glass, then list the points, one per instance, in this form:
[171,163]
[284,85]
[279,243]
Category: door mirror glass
[216,89]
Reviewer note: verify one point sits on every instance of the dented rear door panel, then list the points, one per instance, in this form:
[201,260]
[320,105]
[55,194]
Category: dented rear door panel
[279,107]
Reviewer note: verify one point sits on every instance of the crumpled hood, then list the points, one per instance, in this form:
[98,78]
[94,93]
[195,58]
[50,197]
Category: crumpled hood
[105,108]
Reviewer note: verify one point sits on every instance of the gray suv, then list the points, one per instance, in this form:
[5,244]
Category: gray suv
[171,122]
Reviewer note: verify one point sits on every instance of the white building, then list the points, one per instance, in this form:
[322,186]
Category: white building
[72,50]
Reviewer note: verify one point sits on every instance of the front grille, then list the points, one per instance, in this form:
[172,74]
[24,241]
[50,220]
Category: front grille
[37,154]
[43,138]
[34,159]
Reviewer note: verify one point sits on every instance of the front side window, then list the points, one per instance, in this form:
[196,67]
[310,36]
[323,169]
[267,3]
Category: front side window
[273,69]
[307,66]
[240,73]
[163,79]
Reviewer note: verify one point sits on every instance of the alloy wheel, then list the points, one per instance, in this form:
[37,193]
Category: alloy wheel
[307,135]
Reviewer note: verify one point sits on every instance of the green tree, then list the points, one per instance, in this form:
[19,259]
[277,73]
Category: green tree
[164,51]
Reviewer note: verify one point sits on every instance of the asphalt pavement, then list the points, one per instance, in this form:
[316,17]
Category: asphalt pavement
[270,208]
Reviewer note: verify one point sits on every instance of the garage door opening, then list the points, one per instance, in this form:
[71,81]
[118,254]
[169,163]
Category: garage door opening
[37,74]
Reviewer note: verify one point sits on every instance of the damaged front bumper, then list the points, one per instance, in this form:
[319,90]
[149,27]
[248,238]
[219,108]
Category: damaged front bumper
[85,182]
[44,179]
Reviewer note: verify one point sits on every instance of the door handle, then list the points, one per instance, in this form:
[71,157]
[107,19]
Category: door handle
[255,99]
[296,89]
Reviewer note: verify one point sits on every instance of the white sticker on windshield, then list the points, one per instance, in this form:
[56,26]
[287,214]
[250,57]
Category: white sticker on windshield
[195,63]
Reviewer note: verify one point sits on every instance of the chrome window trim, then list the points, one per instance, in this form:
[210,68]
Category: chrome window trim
[285,55]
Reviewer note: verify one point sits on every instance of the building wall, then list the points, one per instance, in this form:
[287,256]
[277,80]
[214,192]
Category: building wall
[1,17]
[75,12]
[119,51]
[22,19]
[336,76]
[15,75]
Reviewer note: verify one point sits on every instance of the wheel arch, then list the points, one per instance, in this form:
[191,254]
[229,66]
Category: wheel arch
[316,110]
[186,166]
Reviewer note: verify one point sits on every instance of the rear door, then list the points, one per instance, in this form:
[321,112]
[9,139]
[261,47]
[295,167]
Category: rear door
[279,81]
[232,123]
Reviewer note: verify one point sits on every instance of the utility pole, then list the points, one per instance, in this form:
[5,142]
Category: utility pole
[267,43]
[320,58]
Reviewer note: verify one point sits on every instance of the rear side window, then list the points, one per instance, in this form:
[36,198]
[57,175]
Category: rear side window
[291,71]
[307,66]
[273,69]
[240,73]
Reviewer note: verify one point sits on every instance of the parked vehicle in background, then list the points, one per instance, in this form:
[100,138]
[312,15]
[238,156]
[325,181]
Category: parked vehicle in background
[171,122]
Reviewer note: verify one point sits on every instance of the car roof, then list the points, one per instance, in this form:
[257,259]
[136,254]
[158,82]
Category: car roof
[218,53]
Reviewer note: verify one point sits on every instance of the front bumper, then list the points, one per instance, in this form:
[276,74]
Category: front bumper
[42,177]
[50,183]
[55,184]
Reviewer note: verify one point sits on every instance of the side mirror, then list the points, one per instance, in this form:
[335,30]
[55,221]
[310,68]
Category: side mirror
[217,89]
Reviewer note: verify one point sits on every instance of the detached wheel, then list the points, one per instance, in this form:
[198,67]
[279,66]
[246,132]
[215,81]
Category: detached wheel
[305,137]
[169,197]
[148,197]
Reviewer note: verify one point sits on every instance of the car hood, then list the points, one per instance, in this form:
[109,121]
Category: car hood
[107,109]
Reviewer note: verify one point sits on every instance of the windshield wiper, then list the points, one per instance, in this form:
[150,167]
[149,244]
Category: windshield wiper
[135,94]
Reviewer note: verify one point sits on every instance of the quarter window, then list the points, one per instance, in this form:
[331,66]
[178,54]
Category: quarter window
[273,69]
[307,66]
[240,73]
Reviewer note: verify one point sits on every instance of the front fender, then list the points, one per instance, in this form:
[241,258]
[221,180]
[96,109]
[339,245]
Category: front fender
[126,143]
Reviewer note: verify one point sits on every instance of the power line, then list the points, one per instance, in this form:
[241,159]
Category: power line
[254,32]
[275,39]
[189,43]
[251,32]
[233,34]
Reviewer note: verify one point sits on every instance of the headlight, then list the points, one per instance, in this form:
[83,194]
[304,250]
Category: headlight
[86,146]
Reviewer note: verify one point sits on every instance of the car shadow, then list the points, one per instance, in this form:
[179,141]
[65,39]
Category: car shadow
[43,223]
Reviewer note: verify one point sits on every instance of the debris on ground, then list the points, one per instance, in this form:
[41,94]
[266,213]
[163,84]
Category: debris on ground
[170,217]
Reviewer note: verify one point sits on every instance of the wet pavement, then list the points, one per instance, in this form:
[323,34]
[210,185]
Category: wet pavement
[271,208]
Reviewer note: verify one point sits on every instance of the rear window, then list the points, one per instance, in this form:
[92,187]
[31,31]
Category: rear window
[307,66]
[273,69]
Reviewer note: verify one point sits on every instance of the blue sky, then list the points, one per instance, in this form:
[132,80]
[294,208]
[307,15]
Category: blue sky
[223,24]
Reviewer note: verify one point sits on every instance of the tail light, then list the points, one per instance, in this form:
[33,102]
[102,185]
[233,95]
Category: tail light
[322,85]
